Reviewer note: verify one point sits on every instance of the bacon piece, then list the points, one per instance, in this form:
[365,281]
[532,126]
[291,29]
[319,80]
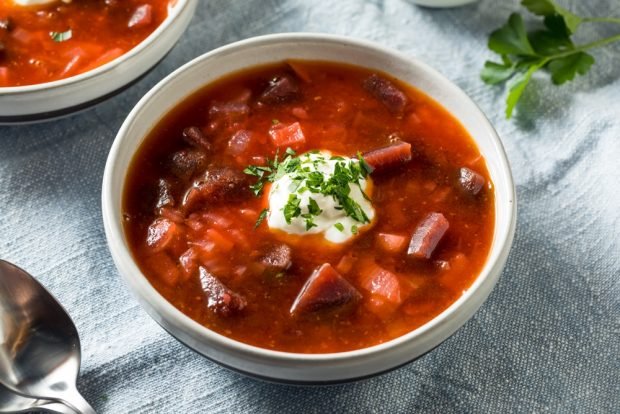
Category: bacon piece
[187,162]
[194,136]
[277,259]
[220,299]
[387,93]
[391,156]
[290,136]
[281,89]
[216,185]
[471,181]
[324,289]
[427,236]
[142,16]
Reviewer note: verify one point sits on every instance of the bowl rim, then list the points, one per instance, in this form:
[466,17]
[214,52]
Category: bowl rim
[142,288]
[175,7]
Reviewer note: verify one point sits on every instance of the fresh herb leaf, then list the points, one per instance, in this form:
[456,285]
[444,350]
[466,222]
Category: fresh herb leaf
[339,226]
[511,39]
[551,48]
[517,87]
[261,217]
[354,229]
[549,8]
[566,68]
[61,36]
[496,72]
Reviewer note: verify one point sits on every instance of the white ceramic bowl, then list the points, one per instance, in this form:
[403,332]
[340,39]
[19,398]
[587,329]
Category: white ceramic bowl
[442,3]
[31,103]
[293,367]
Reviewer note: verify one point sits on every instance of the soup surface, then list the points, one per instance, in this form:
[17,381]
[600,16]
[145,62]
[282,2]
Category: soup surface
[309,207]
[55,40]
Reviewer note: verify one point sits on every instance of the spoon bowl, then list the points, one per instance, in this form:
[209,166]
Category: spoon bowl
[40,350]
[15,403]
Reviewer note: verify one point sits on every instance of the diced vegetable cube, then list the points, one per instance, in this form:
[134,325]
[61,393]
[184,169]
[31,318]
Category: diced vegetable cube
[427,236]
[220,299]
[389,156]
[391,243]
[287,136]
[325,289]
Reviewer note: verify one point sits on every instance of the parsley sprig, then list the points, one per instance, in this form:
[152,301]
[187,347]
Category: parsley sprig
[307,179]
[550,48]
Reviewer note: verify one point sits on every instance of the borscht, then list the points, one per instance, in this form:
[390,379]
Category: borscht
[309,207]
[47,40]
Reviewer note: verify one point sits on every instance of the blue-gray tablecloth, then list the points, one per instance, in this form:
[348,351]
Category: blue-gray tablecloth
[548,338]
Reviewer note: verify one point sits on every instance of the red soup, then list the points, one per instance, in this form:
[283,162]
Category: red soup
[44,43]
[309,207]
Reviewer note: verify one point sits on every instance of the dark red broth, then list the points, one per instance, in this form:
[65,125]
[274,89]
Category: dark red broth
[431,192]
[49,42]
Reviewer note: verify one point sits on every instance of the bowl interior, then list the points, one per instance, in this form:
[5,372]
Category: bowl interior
[268,49]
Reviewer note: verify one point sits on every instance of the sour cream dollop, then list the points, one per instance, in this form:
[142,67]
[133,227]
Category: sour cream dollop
[332,222]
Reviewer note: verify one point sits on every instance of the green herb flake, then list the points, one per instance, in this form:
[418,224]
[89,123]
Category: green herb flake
[292,209]
[354,229]
[61,36]
[261,217]
[339,226]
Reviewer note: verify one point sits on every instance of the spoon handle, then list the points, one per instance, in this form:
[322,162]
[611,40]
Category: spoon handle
[56,408]
[74,399]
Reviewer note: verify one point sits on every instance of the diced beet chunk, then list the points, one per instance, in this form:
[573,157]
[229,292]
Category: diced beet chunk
[287,136]
[187,162]
[325,289]
[281,89]
[142,16]
[471,181]
[220,299]
[387,93]
[277,259]
[427,236]
[162,234]
[164,194]
[229,112]
[239,143]
[390,156]
[194,136]
[216,185]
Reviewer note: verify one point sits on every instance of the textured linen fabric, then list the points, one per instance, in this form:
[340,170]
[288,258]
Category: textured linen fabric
[547,339]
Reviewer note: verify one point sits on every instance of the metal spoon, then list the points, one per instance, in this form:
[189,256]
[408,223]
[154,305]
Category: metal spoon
[14,403]
[40,350]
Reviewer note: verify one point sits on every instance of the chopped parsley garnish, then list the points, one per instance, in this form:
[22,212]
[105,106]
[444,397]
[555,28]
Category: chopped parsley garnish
[261,217]
[61,36]
[312,180]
